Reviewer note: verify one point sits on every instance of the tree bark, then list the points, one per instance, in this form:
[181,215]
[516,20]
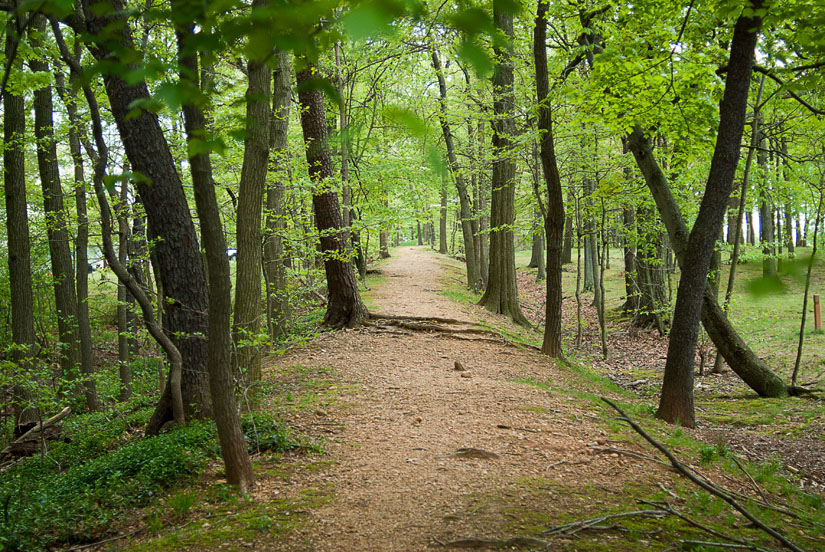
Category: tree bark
[221,385]
[125,370]
[676,403]
[247,322]
[344,306]
[742,360]
[56,223]
[766,222]
[277,298]
[554,215]
[25,348]
[631,279]
[466,206]
[501,295]
[81,248]
[170,222]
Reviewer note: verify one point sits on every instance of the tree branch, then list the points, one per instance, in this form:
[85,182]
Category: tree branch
[712,489]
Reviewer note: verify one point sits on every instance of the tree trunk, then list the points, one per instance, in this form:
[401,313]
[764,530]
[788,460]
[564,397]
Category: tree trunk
[247,320]
[124,369]
[25,349]
[344,306]
[221,387]
[742,360]
[766,221]
[56,223]
[676,403]
[278,308]
[483,219]
[81,249]
[537,245]
[653,303]
[567,247]
[473,273]
[501,295]
[554,215]
[170,222]
[442,216]
[631,277]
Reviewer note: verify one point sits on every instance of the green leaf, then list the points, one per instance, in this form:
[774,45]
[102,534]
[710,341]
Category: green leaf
[324,85]
[368,19]
[767,285]
[477,57]
[407,119]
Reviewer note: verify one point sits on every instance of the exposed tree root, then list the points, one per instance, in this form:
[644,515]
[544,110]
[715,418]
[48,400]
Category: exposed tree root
[425,324]
[380,316]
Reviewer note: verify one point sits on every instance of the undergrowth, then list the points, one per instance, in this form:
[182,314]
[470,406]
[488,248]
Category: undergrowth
[73,493]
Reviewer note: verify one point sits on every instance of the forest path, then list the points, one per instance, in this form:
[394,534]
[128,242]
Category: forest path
[403,412]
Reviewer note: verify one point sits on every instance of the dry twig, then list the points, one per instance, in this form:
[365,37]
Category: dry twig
[712,489]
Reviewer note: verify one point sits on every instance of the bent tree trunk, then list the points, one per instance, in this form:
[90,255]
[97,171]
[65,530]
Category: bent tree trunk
[344,306]
[170,222]
[676,403]
[501,295]
[742,360]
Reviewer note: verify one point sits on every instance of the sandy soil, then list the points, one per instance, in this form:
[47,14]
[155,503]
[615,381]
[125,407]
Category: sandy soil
[397,480]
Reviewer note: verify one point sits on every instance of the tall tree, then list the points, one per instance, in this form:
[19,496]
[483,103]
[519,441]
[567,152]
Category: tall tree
[344,305]
[465,204]
[17,230]
[274,267]
[676,403]
[171,227]
[247,322]
[221,388]
[553,213]
[81,245]
[766,220]
[56,218]
[501,295]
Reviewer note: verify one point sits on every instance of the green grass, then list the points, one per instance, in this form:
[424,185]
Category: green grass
[535,515]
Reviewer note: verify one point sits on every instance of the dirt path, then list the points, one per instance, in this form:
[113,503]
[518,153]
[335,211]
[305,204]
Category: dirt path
[395,478]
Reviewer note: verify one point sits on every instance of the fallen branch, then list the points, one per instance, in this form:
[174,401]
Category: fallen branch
[751,479]
[724,545]
[712,489]
[498,543]
[575,526]
[28,443]
[665,507]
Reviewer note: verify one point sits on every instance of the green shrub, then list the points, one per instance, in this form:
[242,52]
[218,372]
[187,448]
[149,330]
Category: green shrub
[263,433]
[73,494]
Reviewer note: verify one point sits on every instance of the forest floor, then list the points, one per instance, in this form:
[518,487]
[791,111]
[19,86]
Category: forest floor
[420,454]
